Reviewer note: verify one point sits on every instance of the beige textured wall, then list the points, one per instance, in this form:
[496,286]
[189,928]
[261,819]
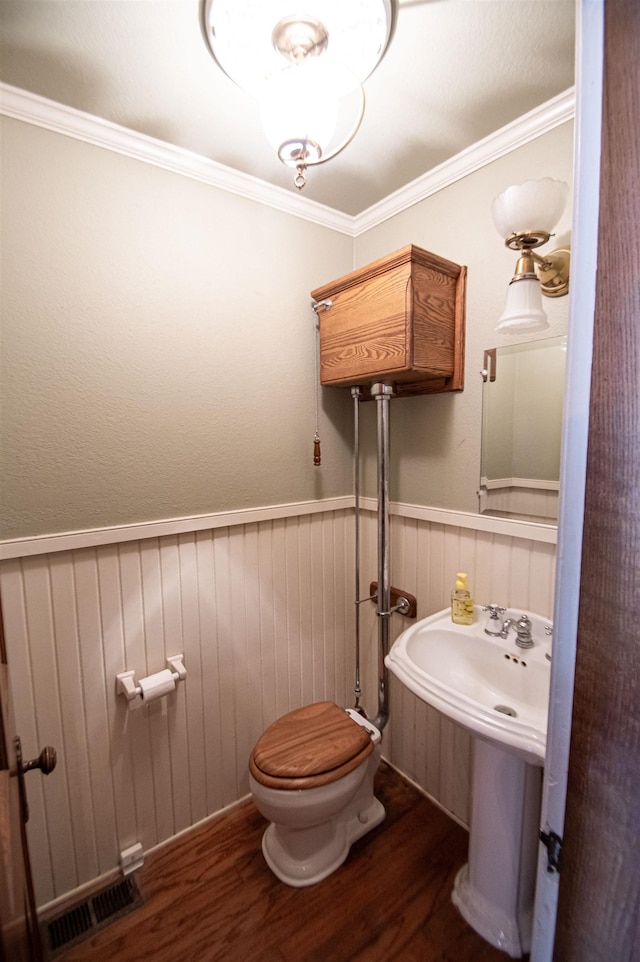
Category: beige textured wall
[435,441]
[157,344]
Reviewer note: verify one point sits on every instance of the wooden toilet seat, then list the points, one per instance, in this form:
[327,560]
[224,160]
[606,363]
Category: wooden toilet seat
[309,747]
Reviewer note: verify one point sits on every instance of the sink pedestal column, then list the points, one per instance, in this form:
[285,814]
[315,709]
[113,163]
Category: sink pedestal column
[494,891]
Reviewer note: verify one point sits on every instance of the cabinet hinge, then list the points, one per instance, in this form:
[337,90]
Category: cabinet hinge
[553,844]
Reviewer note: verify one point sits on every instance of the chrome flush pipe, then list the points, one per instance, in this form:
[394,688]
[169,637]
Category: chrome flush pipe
[355,394]
[382,393]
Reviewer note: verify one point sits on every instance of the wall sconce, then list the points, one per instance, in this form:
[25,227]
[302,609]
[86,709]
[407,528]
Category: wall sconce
[525,215]
[305,70]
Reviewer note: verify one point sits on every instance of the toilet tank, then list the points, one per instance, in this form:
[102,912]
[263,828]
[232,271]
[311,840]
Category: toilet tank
[400,319]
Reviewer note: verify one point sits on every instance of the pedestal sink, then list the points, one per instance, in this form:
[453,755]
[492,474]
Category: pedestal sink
[500,693]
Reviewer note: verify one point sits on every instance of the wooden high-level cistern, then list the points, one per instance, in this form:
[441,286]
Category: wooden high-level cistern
[392,329]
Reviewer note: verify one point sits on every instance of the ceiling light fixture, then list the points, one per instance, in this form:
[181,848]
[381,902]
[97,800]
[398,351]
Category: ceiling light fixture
[525,215]
[305,70]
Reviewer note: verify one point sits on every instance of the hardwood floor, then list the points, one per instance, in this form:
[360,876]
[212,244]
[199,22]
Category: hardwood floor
[211,897]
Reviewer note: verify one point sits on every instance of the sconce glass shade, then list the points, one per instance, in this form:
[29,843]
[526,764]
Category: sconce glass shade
[242,34]
[523,310]
[311,110]
[535,205]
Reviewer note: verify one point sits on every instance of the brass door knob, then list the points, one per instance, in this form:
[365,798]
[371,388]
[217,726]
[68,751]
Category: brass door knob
[46,761]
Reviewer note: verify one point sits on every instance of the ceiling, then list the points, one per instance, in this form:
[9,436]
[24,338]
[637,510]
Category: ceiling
[455,71]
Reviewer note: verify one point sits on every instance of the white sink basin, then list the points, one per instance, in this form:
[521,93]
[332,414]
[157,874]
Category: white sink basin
[490,686]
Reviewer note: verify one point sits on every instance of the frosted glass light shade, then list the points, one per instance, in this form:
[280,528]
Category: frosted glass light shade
[239,34]
[533,205]
[523,310]
[318,103]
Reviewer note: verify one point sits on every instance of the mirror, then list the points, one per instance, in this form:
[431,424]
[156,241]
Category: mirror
[522,401]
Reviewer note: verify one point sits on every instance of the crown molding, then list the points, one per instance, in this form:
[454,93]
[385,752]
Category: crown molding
[41,112]
[559,110]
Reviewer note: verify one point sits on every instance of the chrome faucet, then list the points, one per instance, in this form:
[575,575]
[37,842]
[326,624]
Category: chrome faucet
[495,626]
[522,627]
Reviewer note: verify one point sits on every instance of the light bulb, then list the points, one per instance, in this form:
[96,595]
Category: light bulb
[311,110]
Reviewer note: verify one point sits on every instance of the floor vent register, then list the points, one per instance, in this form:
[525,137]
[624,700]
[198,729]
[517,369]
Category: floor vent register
[94,913]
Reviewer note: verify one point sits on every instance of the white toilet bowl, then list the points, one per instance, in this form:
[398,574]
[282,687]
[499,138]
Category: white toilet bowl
[311,775]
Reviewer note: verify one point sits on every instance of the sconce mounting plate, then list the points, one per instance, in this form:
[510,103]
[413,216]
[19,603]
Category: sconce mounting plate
[553,273]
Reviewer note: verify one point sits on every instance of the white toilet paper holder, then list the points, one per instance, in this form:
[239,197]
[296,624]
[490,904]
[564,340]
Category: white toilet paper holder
[126,681]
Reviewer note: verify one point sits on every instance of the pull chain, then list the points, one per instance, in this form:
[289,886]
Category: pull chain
[300,179]
[317,459]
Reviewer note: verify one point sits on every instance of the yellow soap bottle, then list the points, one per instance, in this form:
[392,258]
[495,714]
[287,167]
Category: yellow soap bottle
[461,601]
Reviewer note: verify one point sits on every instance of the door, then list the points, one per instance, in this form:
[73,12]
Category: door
[599,899]
[582,295]
[19,933]
[598,886]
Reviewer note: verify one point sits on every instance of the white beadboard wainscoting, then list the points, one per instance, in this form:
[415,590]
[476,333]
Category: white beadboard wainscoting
[261,605]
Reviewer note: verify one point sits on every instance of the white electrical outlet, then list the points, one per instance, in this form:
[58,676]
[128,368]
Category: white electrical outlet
[131,858]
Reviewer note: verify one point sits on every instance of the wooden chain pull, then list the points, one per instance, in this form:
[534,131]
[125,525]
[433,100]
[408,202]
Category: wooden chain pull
[316,449]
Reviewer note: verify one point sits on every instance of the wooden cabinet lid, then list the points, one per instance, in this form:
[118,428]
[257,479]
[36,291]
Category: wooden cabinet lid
[404,257]
[310,741]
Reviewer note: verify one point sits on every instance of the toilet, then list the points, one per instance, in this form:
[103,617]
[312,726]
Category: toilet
[311,775]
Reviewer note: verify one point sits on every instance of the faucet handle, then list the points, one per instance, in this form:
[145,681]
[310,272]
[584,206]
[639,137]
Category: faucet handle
[494,610]
[495,614]
[523,628]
